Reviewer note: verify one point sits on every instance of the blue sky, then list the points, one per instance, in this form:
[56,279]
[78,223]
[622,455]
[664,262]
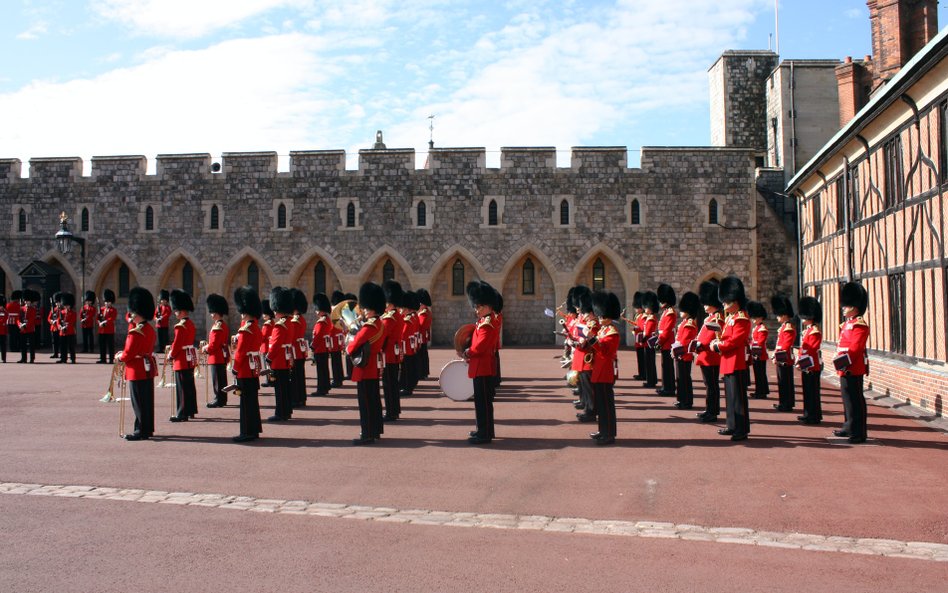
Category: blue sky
[107,77]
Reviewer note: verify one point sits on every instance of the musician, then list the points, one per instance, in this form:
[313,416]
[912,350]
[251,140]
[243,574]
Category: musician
[393,325]
[499,319]
[783,352]
[365,349]
[758,348]
[13,320]
[604,346]
[852,362]
[809,362]
[217,348]
[248,362]
[637,324]
[666,337]
[687,331]
[339,336]
[651,307]
[425,320]
[106,320]
[480,359]
[569,319]
[184,355]
[353,300]
[87,321]
[141,368]
[3,328]
[587,327]
[52,318]
[709,361]
[297,323]
[27,324]
[162,319]
[732,346]
[66,323]
[266,328]
[410,329]
[322,343]
[280,352]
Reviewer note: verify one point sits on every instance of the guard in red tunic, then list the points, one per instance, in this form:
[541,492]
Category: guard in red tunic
[586,328]
[28,325]
[3,328]
[52,318]
[163,317]
[13,319]
[783,352]
[650,325]
[758,348]
[106,319]
[67,328]
[217,348]
[300,348]
[393,325]
[689,310]
[604,346]
[339,337]
[637,325]
[852,362]
[266,328]
[425,318]
[365,349]
[141,368]
[87,321]
[499,322]
[732,345]
[666,337]
[410,331]
[709,361]
[569,318]
[809,361]
[480,359]
[184,355]
[280,353]
[322,343]
[248,362]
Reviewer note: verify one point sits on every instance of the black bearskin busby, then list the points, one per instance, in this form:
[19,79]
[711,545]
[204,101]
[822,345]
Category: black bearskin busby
[854,295]
[372,297]
[265,308]
[181,301]
[89,296]
[3,302]
[67,299]
[498,302]
[281,300]
[300,304]
[217,304]
[666,295]
[756,309]
[731,290]
[163,294]
[393,292]
[606,305]
[321,302]
[109,297]
[248,302]
[31,296]
[582,299]
[424,297]
[650,301]
[811,309]
[409,300]
[570,307]
[708,294]
[781,305]
[58,297]
[337,297]
[690,304]
[637,300]
[16,296]
[142,303]
[480,293]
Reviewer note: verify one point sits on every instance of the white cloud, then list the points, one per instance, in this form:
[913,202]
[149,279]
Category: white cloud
[34,32]
[184,18]
[855,13]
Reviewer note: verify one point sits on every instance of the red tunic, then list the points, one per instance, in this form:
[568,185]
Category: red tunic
[480,356]
[410,333]
[53,320]
[3,321]
[666,329]
[107,317]
[322,334]
[137,354]
[162,315]
[733,343]
[280,348]
[586,327]
[247,358]
[218,343]
[687,331]
[67,322]
[392,323]
[182,348]
[28,323]
[639,331]
[266,329]
[372,332]
[710,330]
[424,317]
[650,326]
[298,323]
[759,340]
[605,351]
[853,335]
[810,345]
[786,337]
[87,316]
[13,313]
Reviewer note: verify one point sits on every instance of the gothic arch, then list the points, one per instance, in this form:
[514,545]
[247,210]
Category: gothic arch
[378,258]
[714,273]
[533,252]
[105,264]
[171,262]
[305,264]
[452,311]
[524,322]
[455,251]
[11,275]
[239,258]
[53,257]
[615,269]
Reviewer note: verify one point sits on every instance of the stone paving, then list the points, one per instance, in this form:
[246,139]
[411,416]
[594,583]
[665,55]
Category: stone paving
[646,529]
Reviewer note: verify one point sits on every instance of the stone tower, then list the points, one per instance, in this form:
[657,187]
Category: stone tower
[737,83]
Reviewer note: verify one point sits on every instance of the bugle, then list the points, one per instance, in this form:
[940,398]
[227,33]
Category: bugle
[163,382]
[118,374]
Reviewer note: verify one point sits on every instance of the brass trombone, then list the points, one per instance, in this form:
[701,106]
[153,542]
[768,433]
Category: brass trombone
[164,367]
[118,374]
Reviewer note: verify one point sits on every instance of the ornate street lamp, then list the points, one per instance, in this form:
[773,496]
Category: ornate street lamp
[65,239]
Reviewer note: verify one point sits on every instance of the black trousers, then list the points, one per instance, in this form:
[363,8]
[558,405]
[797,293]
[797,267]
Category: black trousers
[27,344]
[323,381]
[651,373]
[3,347]
[219,382]
[497,377]
[586,395]
[685,389]
[484,406]
[408,378]
[298,382]
[282,396]
[337,373]
[13,331]
[107,345]
[185,393]
[606,404]
[390,386]
[854,405]
[88,338]
[250,424]
[426,363]
[738,415]
[761,383]
[640,363]
[67,347]
[812,405]
[57,339]
[370,408]
[785,386]
[142,394]
[162,334]
[712,384]
[668,373]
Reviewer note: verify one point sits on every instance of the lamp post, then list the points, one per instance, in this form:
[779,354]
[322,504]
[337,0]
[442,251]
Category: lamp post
[65,239]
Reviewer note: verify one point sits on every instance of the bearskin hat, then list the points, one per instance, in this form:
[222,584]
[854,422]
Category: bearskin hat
[31,296]
[498,302]
[181,301]
[410,301]
[248,301]
[16,295]
[854,295]
[424,297]
[142,303]
[163,294]
[337,297]
[606,304]
[666,295]
[393,292]
[570,307]
[690,304]
[811,309]
[3,302]
[281,300]
[300,304]
[58,297]
[217,304]
[731,290]
[321,302]
[67,299]
[582,298]
[108,296]
[265,308]
[781,305]
[89,296]
[756,309]
[481,293]
[650,301]
[350,297]
[637,300]
[371,296]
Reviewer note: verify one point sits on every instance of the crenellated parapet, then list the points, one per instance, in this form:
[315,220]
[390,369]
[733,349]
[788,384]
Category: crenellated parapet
[56,169]
[184,166]
[599,159]
[252,165]
[528,159]
[119,168]
[10,170]
[317,163]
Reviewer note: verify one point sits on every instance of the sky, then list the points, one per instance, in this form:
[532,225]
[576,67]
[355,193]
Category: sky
[147,77]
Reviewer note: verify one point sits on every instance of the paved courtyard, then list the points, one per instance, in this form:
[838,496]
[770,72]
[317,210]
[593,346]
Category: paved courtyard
[671,507]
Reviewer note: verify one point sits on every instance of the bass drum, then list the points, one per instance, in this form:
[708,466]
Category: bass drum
[455,383]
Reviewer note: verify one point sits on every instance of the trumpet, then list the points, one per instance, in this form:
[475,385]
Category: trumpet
[164,367]
[118,374]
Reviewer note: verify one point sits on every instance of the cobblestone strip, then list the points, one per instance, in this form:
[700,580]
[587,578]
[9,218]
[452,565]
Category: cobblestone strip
[726,535]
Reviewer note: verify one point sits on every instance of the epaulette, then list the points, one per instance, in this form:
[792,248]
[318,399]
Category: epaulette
[690,323]
[814,329]
[484,321]
[389,314]
[218,326]
[649,316]
[245,327]
[281,322]
[182,323]
[322,317]
[295,319]
[371,321]
[669,311]
[786,327]
[740,315]
[137,329]
[860,321]
[608,330]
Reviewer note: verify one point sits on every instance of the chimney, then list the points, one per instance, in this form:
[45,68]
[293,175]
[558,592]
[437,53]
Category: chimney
[900,28]
[854,83]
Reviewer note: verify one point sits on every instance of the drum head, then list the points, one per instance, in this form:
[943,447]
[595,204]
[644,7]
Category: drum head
[454,381]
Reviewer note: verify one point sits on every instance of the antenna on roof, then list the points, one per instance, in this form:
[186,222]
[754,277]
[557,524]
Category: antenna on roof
[431,132]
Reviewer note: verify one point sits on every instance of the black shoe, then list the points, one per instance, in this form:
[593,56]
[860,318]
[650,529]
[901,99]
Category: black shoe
[638,377]
[361,440]
[726,432]
[177,419]
[682,406]
[841,433]
[739,437]
[54,355]
[473,433]
[854,440]
[389,418]
[578,406]
[780,408]
[813,422]
[215,404]
[333,384]
[319,394]
[60,362]
[135,437]
[707,419]
[100,362]
[586,417]
[652,385]
[605,441]
[577,402]
[759,396]
[20,361]
[276,418]
[478,440]
[665,393]
[243,438]
[595,435]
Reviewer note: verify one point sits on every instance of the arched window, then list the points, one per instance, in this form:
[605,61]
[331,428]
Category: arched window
[149,218]
[599,275]
[350,215]
[187,279]
[123,288]
[281,216]
[84,220]
[319,278]
[528,277]
[215,218]
[21,221]
[564,212]
[713,211]
[388,271]
[457,278]
[635,216]
[253,276]
[492,213]
[422,214]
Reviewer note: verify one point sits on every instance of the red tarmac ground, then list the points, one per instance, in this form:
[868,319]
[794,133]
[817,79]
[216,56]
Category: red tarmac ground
[665,468]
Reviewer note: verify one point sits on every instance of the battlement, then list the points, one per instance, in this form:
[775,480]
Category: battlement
[449,161]
[184,166]
[10,170]
[528,159]
[599,159]
[386,159]
[317,163]
[119,168]
[56,169]
[255,165]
